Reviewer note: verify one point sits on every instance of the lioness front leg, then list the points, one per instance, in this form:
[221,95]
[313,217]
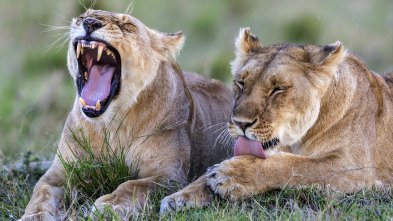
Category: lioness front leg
[128,198]
[244,176]
[46,201]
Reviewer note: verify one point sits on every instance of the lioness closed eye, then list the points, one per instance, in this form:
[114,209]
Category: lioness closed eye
[128,82]
[303,114]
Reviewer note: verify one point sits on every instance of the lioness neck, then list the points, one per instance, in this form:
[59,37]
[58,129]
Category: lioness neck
[343,102]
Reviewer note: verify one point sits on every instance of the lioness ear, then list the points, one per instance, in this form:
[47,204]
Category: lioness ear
[324,61]
[329,55]
[167,43]
[246,43]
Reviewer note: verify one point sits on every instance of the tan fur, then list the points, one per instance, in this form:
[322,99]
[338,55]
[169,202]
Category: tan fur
[165,112]
[332,115]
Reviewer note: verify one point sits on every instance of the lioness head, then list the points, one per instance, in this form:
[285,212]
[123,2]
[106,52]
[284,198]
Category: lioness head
[112,57]
[278,91]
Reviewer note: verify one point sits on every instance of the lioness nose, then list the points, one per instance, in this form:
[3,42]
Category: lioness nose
[244,124]
[91,24]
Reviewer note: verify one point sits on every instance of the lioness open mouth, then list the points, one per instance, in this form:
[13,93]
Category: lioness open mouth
[98,80]
[246,146]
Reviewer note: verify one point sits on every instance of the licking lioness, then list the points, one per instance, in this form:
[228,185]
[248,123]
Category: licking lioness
[303,114]
[127,82]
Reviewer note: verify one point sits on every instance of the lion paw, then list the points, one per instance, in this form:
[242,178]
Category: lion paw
[107,205]
[195,195]
[227,181]
[39,216]
[174,202]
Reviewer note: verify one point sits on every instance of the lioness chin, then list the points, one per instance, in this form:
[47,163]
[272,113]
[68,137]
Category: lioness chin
[128,83]
[303,115]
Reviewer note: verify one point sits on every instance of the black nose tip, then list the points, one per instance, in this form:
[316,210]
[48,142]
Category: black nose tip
[244,125]
[91,25]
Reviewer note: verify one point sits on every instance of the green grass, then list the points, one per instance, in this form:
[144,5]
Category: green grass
[105,172]
[302,203]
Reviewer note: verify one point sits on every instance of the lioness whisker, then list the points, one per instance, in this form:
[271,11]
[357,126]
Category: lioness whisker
[61,34]
[229,139]
[82,4]
[54,28]
[221,133]
[129,8]
[222,128]
[59,39]
[214,126]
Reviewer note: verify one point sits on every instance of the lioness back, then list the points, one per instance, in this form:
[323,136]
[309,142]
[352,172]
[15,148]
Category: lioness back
[208,92]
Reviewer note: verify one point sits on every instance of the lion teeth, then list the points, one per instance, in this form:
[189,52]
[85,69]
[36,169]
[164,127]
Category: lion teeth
[99,52]
[78,51]
[86,76]
[82,102]
[98,105]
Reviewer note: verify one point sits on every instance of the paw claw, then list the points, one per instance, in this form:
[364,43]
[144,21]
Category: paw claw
[211,175]
[172,205]
[222,182]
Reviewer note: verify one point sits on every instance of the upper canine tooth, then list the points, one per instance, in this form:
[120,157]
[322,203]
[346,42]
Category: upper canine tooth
[78,50]
[98,105]
[99,52]
[93,46]
[82,102]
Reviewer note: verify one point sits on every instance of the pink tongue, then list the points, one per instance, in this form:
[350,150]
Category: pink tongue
[98,86]
[245,146]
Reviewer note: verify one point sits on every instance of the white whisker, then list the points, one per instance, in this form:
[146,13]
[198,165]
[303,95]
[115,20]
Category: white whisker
[62,44]
[54,28]
[229,139]
[59,39]
[130,8]
[218,137]
[65,33]
[222,128]
[213,126]
[93,3]
[82,4]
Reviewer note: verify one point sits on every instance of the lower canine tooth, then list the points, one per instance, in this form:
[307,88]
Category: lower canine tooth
[99,52]
[82,102]
[98,105]
[86,76]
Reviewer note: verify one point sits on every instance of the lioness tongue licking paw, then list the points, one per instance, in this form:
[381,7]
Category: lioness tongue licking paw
[245,146]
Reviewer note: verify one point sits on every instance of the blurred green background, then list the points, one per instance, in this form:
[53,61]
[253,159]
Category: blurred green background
[36,92]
